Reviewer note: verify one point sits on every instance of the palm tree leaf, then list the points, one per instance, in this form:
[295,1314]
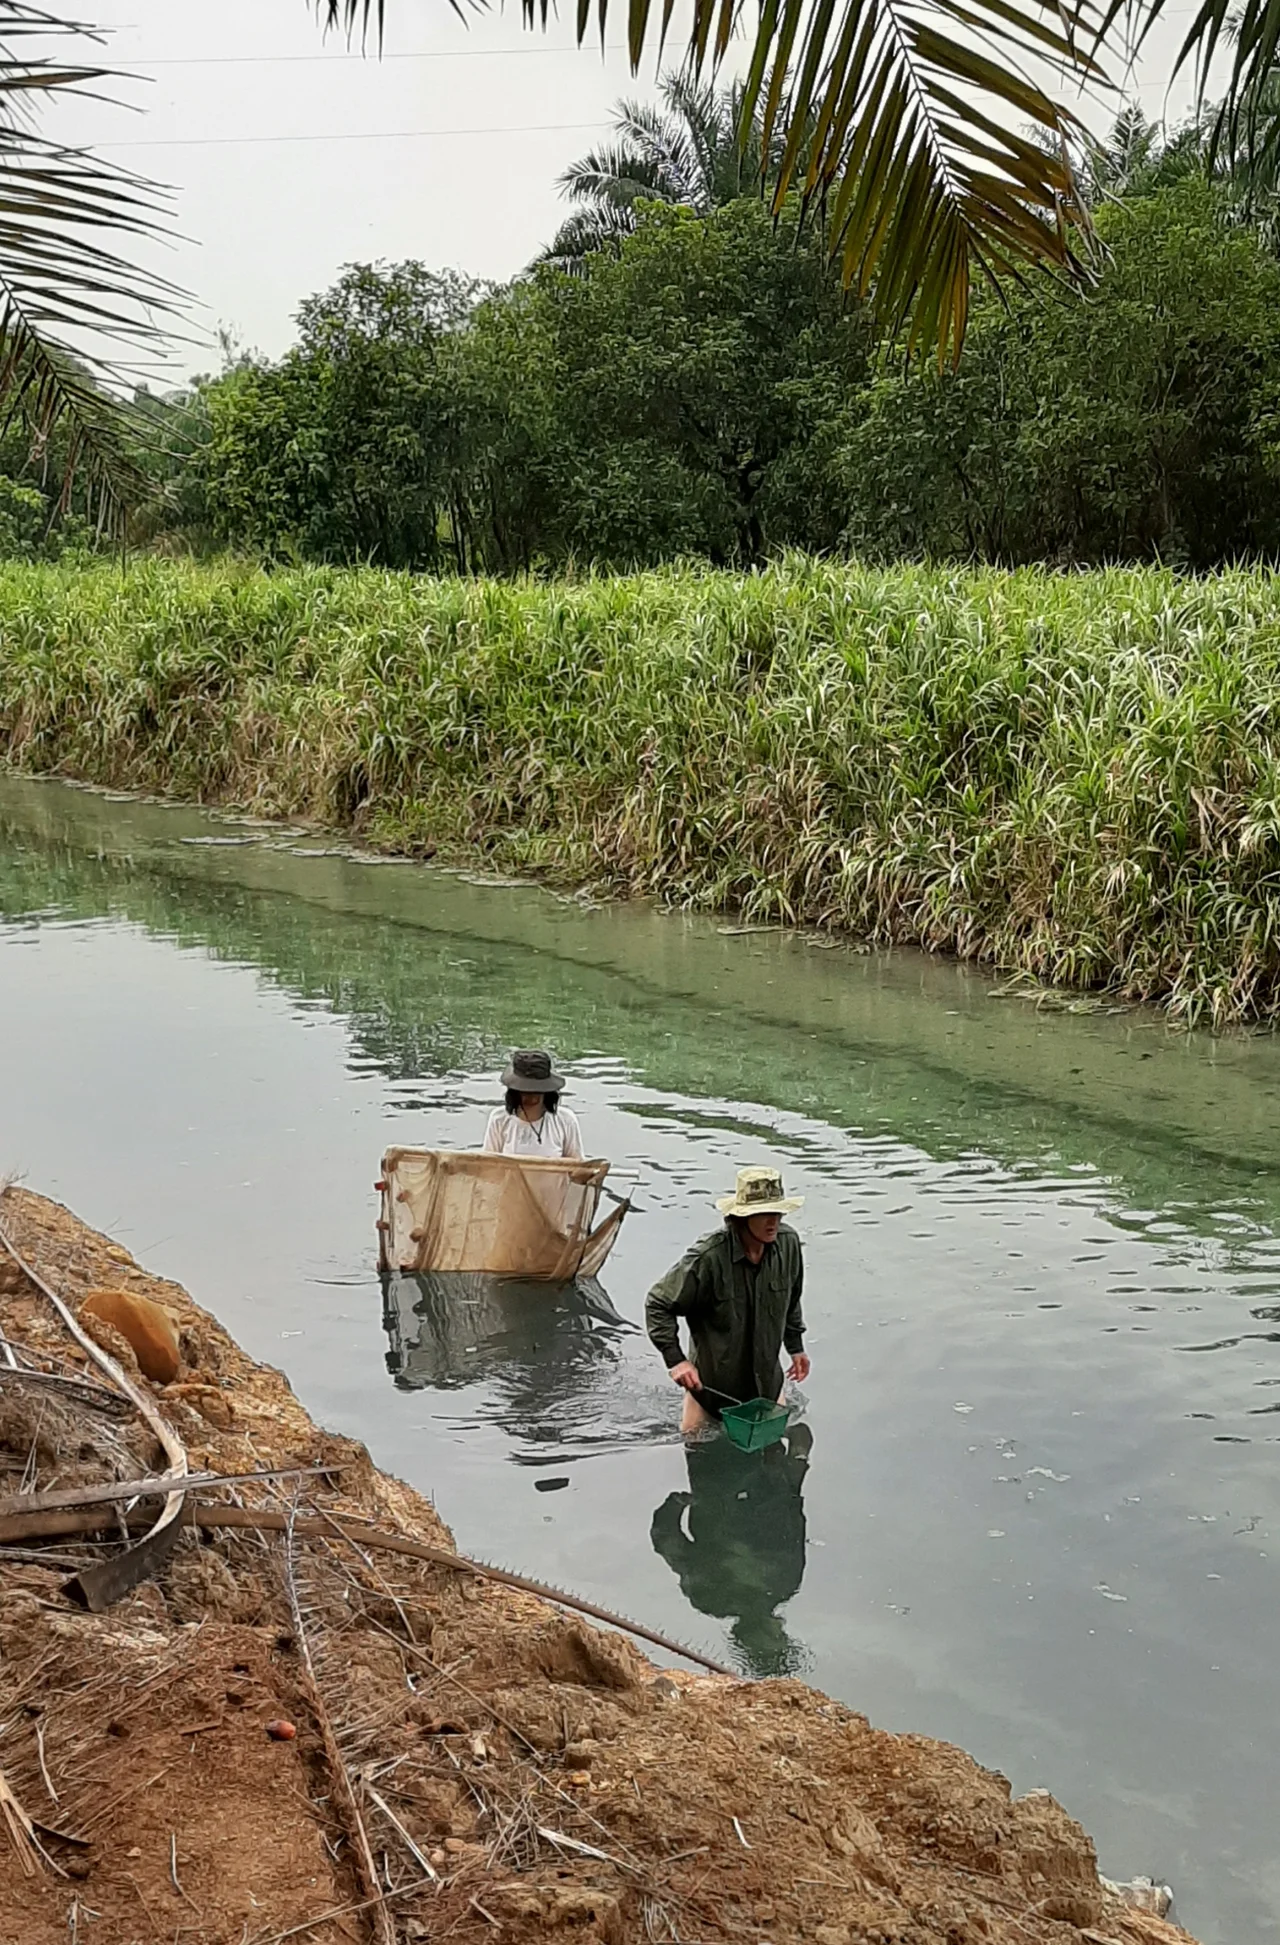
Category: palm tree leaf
[807,80]
[584,235]
[766,36]
[784,40]
[64,280]
[1243,124]
[697,130]
[666,145]
[347,15]
[964,63]
[913,152]
[612,176]
[850,56]
[42,385]
[724,27]
[637,26]
[897,115]
[1024,25]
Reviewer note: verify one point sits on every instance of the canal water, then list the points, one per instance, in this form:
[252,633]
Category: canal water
[1032,1507]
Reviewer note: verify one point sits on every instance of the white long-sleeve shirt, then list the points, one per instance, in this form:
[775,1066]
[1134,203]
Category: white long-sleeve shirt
[555,1134]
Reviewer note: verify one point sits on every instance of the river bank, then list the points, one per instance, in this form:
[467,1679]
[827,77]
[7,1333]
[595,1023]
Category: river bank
[1072,777]
[554,1782]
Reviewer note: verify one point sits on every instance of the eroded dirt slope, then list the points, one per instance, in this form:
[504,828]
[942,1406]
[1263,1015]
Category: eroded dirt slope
[513,1773]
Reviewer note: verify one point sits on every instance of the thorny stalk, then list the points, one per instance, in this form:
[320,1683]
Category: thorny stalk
[520,1818]
[366,1869]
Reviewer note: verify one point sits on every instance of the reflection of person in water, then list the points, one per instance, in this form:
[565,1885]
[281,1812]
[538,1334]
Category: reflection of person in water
[736,1541]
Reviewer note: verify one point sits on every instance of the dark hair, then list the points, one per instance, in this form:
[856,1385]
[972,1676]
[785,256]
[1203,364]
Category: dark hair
[738,1224]
[514,1097]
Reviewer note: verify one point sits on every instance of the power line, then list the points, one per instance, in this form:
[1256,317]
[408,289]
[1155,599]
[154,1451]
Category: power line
[372,135]
[372,61]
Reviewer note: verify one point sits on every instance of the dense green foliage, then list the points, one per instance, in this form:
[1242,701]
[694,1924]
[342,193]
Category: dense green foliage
[342,450]
[37,521]
[655,406]
[1070,774]
[1139,423]
[705,389]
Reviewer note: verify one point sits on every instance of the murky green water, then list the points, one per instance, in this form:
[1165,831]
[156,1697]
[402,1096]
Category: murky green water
[1032,1511]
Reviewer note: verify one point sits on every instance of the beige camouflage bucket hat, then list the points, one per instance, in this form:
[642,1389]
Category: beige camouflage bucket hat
[759,1193]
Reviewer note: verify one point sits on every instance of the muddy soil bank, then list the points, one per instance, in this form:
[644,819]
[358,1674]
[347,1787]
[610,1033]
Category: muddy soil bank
[515,1773]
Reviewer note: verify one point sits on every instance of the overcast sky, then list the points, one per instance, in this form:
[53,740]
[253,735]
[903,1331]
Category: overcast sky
[290,154]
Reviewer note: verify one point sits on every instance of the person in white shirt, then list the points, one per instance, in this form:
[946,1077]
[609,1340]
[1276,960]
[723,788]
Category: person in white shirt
[532,1121]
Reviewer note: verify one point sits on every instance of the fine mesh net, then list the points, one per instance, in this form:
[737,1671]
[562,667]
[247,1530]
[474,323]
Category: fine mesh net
[503,1214]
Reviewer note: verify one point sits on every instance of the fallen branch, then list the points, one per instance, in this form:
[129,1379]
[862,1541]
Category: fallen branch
[41,1557]
[155,1486]
[44,1767]
[55,1526]
[414,1851]
[561,1842]
[77,1391]
[336,1911]
[97,1587]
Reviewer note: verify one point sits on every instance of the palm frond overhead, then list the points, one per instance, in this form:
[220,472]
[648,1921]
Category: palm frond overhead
[70,301]
[900,118]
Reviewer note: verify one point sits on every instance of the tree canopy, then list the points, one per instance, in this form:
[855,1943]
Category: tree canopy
[1139,424]
[709,389]
[916,128]
[919,129]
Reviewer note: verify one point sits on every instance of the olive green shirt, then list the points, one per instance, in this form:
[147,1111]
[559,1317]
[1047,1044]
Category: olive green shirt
[740,1314]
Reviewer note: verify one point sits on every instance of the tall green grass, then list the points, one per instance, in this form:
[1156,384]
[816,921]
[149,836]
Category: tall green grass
[1077,776]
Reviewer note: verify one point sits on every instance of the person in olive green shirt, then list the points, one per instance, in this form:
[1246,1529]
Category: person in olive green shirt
[739,1290]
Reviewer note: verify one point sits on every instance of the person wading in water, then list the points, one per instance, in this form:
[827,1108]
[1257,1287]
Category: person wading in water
[532,1121]
[740,1289]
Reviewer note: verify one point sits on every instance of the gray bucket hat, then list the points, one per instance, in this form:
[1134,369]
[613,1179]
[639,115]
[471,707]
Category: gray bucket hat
[530,1072]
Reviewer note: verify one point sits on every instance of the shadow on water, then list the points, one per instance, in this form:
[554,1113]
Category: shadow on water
[547,1355]
[736,1543]
[444,1331]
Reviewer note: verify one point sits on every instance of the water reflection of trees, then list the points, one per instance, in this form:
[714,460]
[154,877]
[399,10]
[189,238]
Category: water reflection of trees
[736,1542]
[424,1005]
[543,1350]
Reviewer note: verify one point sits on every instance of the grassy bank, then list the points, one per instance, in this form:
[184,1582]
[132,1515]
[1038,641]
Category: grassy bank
[1076,776]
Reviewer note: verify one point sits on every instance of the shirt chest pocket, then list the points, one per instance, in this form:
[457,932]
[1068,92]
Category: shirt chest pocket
[714,1310]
